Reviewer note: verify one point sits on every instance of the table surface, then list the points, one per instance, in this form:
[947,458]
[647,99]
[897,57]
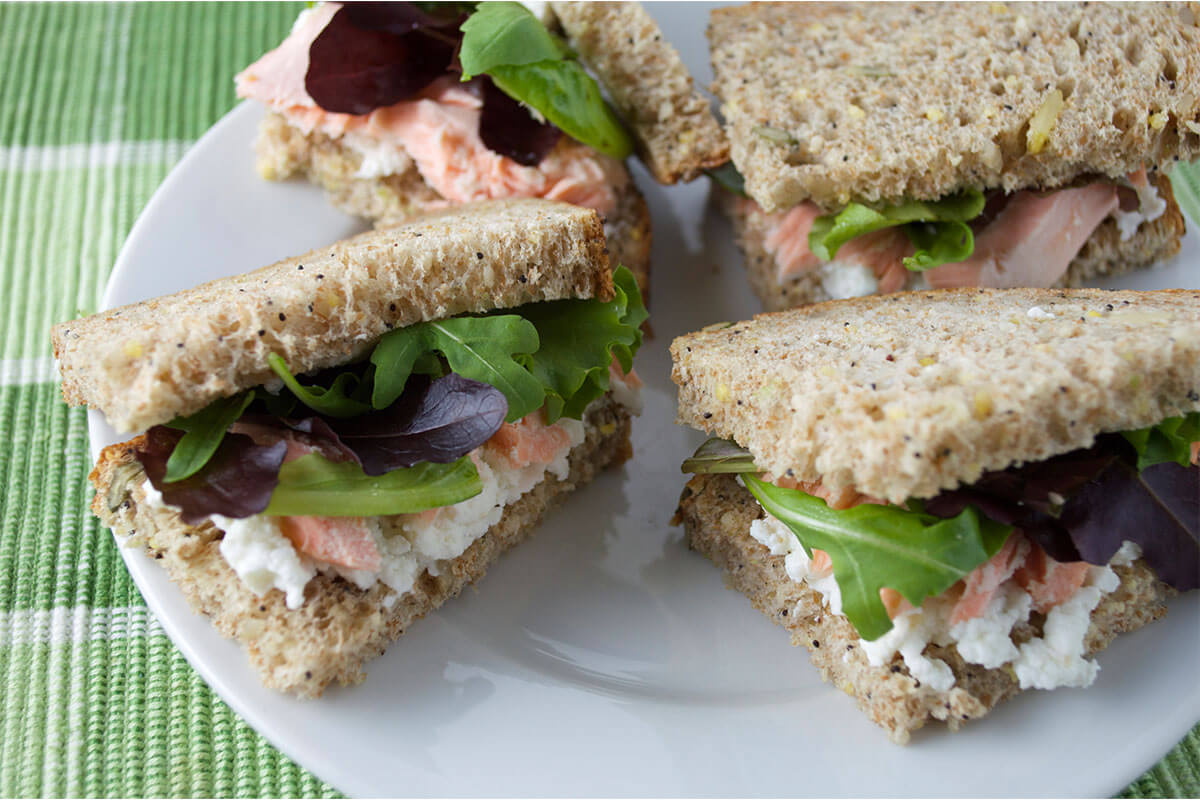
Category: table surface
[98,102]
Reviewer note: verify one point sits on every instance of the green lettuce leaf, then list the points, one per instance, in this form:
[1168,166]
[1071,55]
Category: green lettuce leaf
[479,348]
[719,455]
[1185,182]
[579,339]
[312,485]
[203,432]
[728,177]
[875,546]
[941,233]
[344,397]
[506,41]
[1169,440]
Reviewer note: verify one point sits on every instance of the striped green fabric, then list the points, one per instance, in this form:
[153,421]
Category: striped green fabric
[97,103]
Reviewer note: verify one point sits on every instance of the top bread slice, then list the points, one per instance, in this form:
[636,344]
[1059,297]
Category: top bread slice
[146,363]
[875,102]
[904,395]
[676,132]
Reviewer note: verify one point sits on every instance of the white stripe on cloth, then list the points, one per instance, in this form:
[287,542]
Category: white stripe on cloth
[96,154]
[24,371]
[76,624]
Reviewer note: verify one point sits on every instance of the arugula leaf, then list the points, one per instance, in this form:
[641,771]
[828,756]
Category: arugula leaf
[312,485]
[506,41]
[875,546]
[1169,440]
[479,348]
[938,243]
[719,455]
[579,339]
[831,231]
[504,34]
[204,431]
[340,399]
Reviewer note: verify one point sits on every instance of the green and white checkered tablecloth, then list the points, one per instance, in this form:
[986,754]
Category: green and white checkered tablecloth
[97,103]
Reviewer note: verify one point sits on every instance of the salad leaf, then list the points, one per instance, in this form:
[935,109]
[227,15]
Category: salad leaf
[236,482]
[873,547]
[203,432]
[728,177]
[1185,182]
[1169,440]
[579,339]
[312,485]
[938,243]
[831,231]
[361,61]
[340,399]
[479,348]
[436,421]
[719,455]
[506,41]
[507,128]
[505,34]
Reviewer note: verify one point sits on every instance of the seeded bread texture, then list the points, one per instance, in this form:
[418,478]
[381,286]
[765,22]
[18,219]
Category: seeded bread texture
[1103,255]
[146,363]
[284,151]
[716,513]
[875,102]
[677,135]
[339,627]
[904,395]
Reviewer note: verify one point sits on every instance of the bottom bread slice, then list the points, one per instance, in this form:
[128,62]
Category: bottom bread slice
[1103,255]
[284,150]
[339,626]
[716,512]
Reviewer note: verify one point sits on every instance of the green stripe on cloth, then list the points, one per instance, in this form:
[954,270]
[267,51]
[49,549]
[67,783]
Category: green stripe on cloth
[98,102]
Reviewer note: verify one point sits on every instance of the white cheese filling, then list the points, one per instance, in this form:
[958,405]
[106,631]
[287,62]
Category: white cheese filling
[1053,660]
[844,279]
[1151,206]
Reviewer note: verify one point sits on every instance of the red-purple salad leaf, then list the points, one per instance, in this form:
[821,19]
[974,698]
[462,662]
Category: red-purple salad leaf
[508,128]
[353,70]
[436,421]
[400,18]
[236,482]
[1080,506]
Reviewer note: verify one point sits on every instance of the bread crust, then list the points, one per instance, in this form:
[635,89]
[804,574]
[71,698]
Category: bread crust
[1102,255]
[284,151]
[677,135]
[716,513]
[146,363]
[339,627]
[833,103]
[904,395]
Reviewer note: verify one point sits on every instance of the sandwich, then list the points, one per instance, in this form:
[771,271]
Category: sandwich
[395,108]
[950,496]
[334,445]
[877,148]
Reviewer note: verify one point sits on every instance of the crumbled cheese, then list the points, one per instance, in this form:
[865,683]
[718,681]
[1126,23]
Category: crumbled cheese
[379,157]
[1056,659]
[841,279]
[1037,312]
[911,632]
[263,557]
[1151,206]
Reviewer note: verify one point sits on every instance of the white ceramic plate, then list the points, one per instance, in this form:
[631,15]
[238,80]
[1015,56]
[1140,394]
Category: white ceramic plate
[602,657]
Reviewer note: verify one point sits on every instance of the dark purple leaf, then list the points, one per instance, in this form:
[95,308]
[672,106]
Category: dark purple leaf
[353,70]
[236,482]
[1158,509]
[438,421]
[401,18]
[508,128]
[1082,505]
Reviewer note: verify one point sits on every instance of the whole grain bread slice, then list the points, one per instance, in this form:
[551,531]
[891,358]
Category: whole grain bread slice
[146,363]
[340,626]
[1105,254]
[903,395]
[284,151]
[716,513]
[830,102]
[677,135]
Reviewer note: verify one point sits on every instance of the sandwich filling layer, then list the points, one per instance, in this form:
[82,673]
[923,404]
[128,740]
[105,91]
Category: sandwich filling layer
[437,131]
[1024,239]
